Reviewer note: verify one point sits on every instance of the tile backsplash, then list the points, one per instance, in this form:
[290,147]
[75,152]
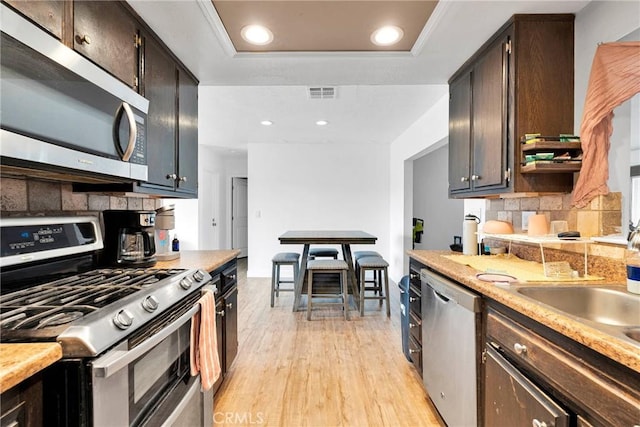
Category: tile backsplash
[601,217]
[28,197]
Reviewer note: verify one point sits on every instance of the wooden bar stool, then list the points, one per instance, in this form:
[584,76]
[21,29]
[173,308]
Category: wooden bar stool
[325,266]
[375,264]
[280,259]
[361,254]
[323,253]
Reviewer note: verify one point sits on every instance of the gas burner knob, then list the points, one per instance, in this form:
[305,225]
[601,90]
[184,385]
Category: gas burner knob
[123,319]
[150,303]
[199,275]
[186,283]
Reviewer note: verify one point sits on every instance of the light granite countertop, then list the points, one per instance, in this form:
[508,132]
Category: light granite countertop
[618,349]
[19,361]
[206,260]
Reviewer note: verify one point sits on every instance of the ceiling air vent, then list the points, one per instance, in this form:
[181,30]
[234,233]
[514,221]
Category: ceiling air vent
[322,92]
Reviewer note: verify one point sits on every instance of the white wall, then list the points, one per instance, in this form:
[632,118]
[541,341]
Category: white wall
[428,133]
[216,168]
[608,21]
[315,187]
[442,216]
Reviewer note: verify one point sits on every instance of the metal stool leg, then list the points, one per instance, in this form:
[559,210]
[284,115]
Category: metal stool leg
[363,285]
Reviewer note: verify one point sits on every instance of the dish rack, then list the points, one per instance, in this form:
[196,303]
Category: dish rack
[541,241]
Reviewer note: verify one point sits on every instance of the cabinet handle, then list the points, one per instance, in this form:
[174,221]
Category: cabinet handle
[412,299]
[464,179]
[221,313]
[172,176]
[411,351]
[475,177]
[538,423]
[519,348]
[230,305]
[182,179]
[85,39]
[412,325]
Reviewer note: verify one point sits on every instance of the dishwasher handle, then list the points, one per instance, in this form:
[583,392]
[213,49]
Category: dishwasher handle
[452,291]
[441,296]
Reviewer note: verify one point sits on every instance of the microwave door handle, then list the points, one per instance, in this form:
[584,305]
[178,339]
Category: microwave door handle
[133,131]
[121,358]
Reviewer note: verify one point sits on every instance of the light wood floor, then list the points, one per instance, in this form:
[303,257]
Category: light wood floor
[324,372]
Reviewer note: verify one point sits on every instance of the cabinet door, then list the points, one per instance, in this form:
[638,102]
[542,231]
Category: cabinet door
[460,133]
[230,328]
[489,117]
[513,400]
[106,33]
[220,340]
[187,133]
[160,90]
[47,14]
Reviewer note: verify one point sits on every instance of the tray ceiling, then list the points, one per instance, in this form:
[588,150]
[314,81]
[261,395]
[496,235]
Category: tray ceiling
[323,26]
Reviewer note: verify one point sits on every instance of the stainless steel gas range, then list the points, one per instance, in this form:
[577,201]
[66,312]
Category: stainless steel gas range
[125,333]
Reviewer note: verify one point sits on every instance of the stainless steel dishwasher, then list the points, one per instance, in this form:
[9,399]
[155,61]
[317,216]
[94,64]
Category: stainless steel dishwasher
[451,340]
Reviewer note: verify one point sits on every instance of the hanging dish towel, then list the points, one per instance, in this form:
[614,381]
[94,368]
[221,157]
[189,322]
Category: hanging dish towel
[614,78]
[204,342]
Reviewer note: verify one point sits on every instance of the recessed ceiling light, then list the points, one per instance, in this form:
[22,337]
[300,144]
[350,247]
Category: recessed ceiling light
[322,122]
[256,34]
[266,123]
[386,36]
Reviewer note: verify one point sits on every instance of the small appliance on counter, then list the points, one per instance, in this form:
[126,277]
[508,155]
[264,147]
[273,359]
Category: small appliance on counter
[129,239]
[165,222]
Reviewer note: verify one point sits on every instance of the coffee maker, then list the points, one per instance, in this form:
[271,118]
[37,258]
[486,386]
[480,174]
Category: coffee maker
[129,240]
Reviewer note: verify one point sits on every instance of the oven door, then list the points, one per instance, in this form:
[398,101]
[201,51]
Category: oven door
[149,383]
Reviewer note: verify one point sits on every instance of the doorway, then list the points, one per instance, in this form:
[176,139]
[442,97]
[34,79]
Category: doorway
[239,215]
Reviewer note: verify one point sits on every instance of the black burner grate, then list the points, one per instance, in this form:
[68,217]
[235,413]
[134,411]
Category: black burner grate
[62,301]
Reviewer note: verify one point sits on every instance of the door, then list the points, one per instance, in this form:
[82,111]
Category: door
[511,399]
[106,33]
[460,133]
[239,220]
[187,133]
[160,90]
[48,14]
[210,199]
[489,113]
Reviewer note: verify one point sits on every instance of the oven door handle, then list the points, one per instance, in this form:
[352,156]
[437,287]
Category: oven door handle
[107,366]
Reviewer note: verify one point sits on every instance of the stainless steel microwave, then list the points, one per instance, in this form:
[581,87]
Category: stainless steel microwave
[62,114]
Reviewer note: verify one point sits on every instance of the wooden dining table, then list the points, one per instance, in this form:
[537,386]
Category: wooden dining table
[344,238]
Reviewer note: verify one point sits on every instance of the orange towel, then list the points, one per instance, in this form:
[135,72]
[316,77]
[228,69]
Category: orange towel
[614,78]
[204,342]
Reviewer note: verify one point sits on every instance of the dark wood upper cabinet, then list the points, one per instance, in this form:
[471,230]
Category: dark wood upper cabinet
[172,124]
[520,81]
[489,117]
[160,90]
[48,14]
[187,170]
[460,134]
[107,34]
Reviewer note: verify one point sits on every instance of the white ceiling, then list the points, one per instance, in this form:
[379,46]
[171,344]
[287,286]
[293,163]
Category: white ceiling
[379,94]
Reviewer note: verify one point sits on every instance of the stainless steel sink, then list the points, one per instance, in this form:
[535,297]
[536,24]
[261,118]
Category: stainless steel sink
[598,304]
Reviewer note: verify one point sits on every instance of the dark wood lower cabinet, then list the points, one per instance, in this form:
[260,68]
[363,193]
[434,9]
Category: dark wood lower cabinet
[534,373]
[511,399]
[22,404]
[226,318]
